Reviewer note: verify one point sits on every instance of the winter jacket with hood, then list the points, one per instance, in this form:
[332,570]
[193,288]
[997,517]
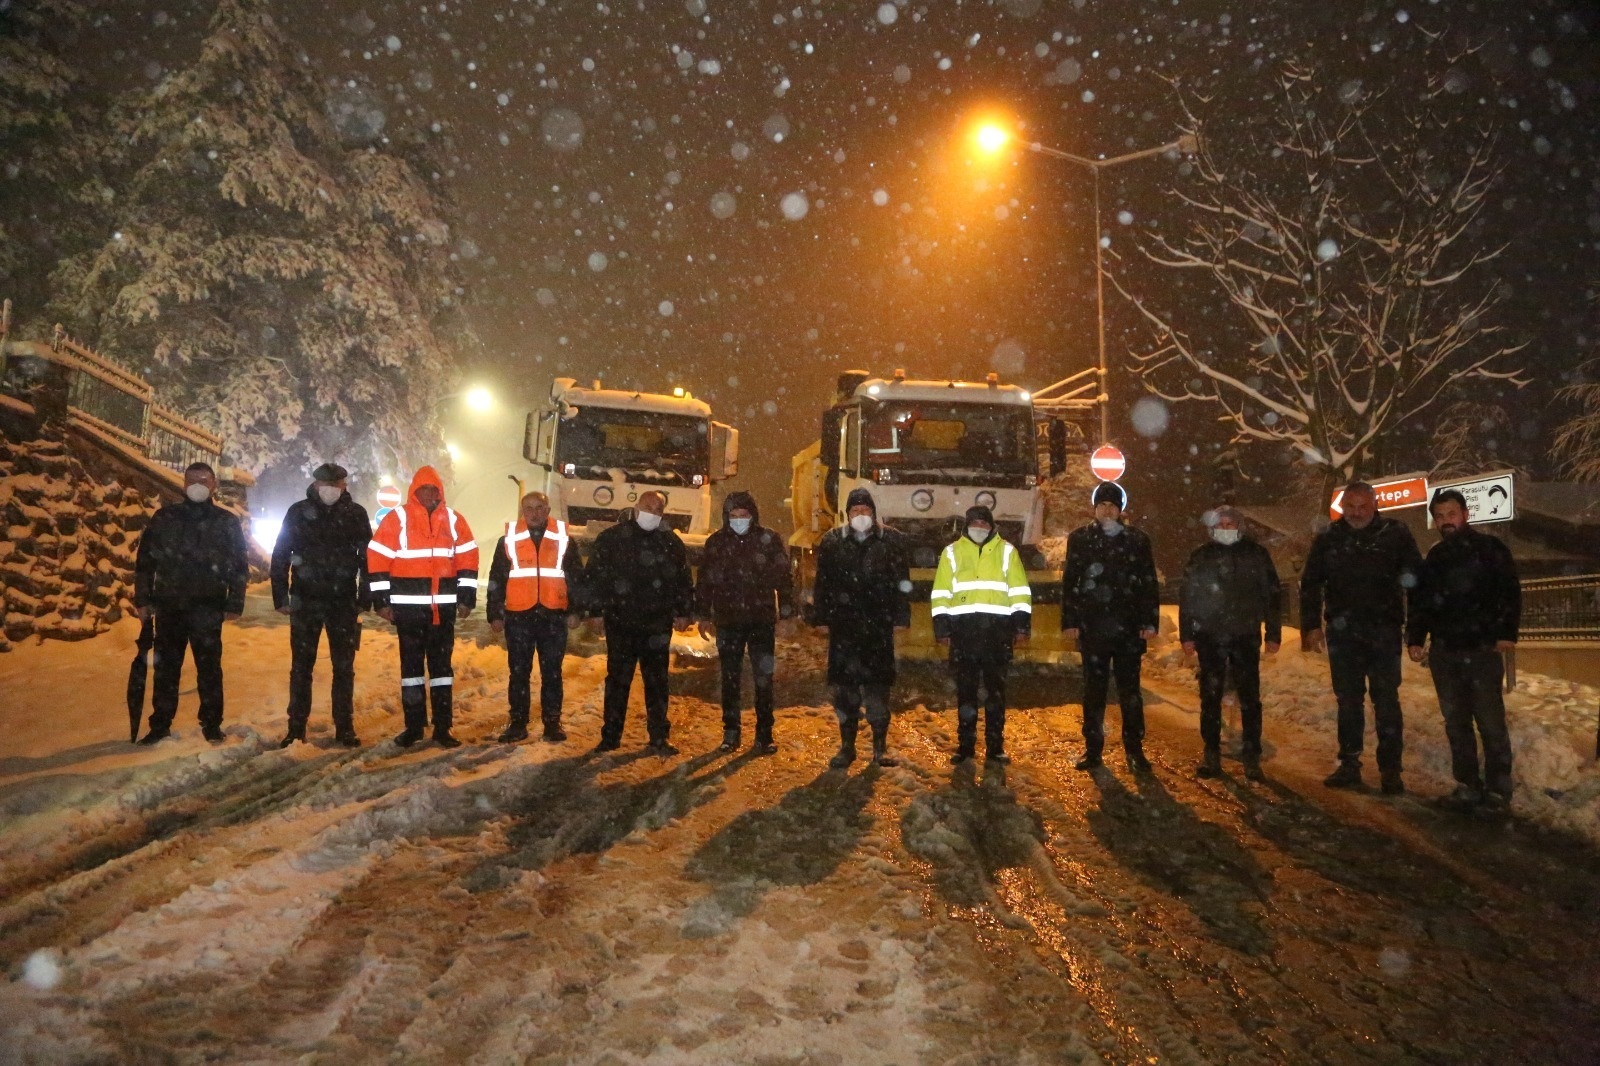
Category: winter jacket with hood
[191,555]
[638,579]
[321,553]
[745,579]
[1358,579]
[1109,588]
[1468,597]
[423,565]
[862,592]
[1230,590]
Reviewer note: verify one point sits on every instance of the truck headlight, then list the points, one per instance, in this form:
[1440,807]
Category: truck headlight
[603,495]
[922,499]
[984,499]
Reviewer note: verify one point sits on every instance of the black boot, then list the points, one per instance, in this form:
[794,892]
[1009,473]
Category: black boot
[1210,764]
[847,746]
[730,740]
[514,732]
[966,738]
[880,745]
[297,732]
[1348,775]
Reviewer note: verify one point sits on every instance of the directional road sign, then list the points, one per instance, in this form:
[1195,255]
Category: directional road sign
[1392,495]
[1489,498]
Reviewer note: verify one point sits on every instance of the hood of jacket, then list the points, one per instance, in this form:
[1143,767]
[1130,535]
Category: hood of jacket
[741,499]
[426,475]
[858,497]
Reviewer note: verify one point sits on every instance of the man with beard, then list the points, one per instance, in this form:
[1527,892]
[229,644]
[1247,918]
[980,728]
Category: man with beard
[1469,601]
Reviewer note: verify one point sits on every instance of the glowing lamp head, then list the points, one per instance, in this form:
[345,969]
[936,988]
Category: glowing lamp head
[479,399]
[990,138]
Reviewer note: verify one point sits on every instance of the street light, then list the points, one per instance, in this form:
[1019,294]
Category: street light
[1186,144]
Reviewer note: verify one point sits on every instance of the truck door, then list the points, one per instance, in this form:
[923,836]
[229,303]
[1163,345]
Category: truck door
[724,451]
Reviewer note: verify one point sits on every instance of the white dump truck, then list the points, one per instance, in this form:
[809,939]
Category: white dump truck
[597,449]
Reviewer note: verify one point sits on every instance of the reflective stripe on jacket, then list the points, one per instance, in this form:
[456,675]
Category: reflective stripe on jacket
[536,578]
[980,579]
[418,562]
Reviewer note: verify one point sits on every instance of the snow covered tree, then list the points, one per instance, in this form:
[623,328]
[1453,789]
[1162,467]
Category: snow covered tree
[45,172]
[286,269]
[1341,234]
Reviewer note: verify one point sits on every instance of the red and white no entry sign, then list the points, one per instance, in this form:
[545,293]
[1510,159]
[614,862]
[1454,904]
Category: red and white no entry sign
[388,496]
[1107,463]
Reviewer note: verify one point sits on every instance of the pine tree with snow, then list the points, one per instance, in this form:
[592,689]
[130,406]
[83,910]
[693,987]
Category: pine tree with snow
[46,171]
[285,268]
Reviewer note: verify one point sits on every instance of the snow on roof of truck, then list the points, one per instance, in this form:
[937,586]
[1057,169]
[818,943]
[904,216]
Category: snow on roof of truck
[953,391]
[626,399]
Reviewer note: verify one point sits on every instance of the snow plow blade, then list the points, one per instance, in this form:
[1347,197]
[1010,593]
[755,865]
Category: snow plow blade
[1047,646]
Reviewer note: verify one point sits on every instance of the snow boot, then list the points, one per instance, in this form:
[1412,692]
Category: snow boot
[847,746]
[730,740]
[1348,775]
[408,738]
[1252,767]
[514,732]
[1210,764]
[1392,784]
[880,746]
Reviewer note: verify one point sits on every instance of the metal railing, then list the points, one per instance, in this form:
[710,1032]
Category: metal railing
[1561,608]
[103,396]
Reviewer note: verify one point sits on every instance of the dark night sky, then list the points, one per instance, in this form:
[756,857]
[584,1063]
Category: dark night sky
[699,117]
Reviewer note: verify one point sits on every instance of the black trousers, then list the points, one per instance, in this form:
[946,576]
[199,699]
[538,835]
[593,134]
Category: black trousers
[1469,684]
[425,671]
[650,651]
[545,633]
[178,630]
[1219,655]
[849,699]
[1361,660]
[733,643]
[1100,664]
[970,678]
[306,625]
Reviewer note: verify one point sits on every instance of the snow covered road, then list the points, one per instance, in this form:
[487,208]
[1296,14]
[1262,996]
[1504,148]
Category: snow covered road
[539,904]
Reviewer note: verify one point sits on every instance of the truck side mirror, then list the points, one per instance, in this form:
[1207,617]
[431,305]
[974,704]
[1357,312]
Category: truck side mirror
[724,451]
[538,438]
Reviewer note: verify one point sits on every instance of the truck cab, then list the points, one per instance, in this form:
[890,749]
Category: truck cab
[597,449]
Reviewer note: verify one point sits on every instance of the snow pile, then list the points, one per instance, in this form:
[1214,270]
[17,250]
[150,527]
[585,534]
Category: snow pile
[66,544]
[1552,723]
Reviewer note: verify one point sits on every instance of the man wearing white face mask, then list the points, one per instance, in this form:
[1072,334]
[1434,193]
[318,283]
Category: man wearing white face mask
[190,575]
[1230,591]
[319,579]
[639,580]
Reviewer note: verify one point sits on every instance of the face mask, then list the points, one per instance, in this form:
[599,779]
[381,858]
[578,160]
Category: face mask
[740,526]
[978,535]
[1110,526]
[1225,536]
[647,521]
[198,493]
[329,494]
[861,523]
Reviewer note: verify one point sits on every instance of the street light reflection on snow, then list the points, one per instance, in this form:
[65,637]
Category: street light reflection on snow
[265,531]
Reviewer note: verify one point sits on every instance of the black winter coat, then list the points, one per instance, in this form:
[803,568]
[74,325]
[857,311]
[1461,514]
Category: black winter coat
[1358,579]
[321,554]
[639,580]
[745,580]
[192,555]
[862,592]
[1468,597]
[1109,588]
[1230,590]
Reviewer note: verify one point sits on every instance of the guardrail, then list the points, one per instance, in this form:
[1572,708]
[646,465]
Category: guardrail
[103,396]
[1561,608]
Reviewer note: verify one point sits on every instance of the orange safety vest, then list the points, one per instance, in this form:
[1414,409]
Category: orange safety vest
[536,578]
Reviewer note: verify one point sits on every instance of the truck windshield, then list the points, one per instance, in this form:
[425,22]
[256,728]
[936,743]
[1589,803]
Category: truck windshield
[598,440]
[948,437]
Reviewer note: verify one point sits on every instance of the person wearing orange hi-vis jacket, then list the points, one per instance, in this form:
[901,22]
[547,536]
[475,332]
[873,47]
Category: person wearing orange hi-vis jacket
[422,565]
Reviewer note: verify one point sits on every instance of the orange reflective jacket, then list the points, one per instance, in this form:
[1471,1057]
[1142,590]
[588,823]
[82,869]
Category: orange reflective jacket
[420,563]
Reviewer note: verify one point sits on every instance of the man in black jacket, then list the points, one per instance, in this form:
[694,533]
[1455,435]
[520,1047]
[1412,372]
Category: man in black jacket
[1356,578]
[190,574]
[535,580]
[319,572]
[1230,591]
[746,586]
[861,596]
[1111,605]
[1470,602]
[639,580]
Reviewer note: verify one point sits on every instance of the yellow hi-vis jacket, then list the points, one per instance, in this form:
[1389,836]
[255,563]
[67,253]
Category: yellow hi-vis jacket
[981,591]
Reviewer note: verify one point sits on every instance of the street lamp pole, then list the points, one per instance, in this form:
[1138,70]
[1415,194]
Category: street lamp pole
[1185,144]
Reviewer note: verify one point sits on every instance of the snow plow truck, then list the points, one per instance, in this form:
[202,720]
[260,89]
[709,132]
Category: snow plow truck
[928,450]
[596,450]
